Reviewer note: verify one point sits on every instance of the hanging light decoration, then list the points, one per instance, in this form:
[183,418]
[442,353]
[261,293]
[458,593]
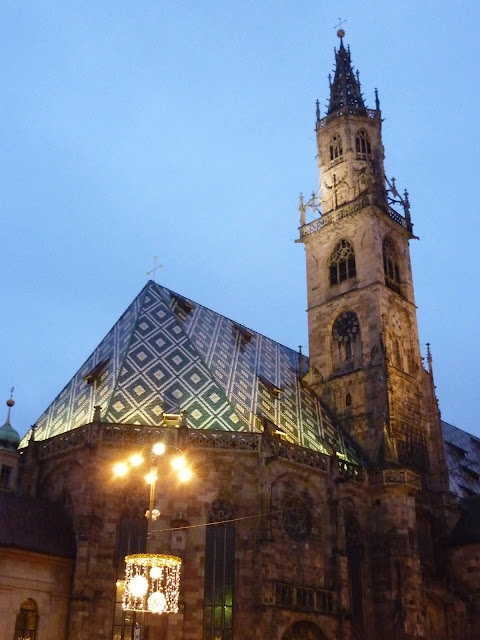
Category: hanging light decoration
[152,583]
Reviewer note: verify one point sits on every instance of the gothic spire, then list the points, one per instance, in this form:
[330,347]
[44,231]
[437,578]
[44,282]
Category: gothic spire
[345,94]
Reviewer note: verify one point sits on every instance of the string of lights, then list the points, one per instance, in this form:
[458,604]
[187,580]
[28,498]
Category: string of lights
[280,511]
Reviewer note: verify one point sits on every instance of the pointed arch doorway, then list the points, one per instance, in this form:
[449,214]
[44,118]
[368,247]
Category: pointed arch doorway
[303,630]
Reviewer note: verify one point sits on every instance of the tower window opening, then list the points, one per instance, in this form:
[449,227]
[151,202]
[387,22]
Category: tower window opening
[336,149]
[390,266]
[348,400]
[362,145]
[5,475]
[348,350]
[342,263]
[346,338]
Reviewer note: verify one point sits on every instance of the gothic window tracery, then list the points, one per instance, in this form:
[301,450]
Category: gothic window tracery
[346,342]
[296,519]
[362,145]
[26,621]
[336,148]
[303,630]
[390,266]
[219,572]
[354,550]
[342,263]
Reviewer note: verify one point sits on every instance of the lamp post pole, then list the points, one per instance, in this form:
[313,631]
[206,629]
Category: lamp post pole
[151,579]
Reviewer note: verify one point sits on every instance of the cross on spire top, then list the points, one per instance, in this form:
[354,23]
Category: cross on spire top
[155,268]
[338,27]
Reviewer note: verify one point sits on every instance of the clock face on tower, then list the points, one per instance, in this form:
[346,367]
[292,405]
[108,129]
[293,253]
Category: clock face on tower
[345,326]
[396,323]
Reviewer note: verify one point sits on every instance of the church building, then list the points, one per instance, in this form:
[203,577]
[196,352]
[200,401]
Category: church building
[326,499]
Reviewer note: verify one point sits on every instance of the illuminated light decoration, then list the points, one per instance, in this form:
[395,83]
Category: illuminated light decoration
[152,583]
[138,586]
[157,602]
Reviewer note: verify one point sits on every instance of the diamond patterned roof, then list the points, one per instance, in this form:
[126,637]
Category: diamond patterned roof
[168,354]
[462,451]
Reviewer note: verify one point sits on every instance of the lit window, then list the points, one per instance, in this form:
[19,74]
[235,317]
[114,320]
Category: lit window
[219,573]
[26,622]
[336,149]
[342,263]
[362,145]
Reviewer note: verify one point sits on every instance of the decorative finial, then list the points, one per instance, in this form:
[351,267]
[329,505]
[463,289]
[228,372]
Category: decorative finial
[300,361]
[155,267]
[10,403]
[302,209]
[429,360]
[340,31]
[377,101]
[318,110]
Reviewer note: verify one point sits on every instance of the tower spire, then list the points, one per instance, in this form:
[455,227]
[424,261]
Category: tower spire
[345,94]
[10,403]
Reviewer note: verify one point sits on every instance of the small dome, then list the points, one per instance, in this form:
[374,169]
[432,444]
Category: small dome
[9,438]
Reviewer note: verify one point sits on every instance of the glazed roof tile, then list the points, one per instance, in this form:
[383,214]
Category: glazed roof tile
[462,451]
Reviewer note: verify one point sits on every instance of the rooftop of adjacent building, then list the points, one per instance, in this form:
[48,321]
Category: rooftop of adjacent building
[462,452]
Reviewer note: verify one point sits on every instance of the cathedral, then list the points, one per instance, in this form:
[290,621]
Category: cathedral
[322,497]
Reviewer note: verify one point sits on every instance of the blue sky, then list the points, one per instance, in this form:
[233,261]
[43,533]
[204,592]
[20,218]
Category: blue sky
[185,130]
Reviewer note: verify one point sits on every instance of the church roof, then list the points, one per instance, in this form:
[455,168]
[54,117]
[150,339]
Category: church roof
[168,354]
[462,451]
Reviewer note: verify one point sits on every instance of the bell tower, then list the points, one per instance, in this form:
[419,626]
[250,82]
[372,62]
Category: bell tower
[363,340]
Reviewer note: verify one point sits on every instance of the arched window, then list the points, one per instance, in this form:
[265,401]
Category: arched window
[390,266]
[348,400]
[336,149]
[342,263]
[354,550]
[303,630]
[219,572]
[362,145]
[132,538]
[346,341]
[26,622]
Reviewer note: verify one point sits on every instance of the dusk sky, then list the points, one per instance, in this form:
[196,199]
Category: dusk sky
[186,130]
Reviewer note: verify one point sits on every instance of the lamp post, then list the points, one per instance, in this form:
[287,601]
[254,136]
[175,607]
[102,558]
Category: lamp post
[152,580]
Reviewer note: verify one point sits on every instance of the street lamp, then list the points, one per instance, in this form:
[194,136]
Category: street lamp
[152,580]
